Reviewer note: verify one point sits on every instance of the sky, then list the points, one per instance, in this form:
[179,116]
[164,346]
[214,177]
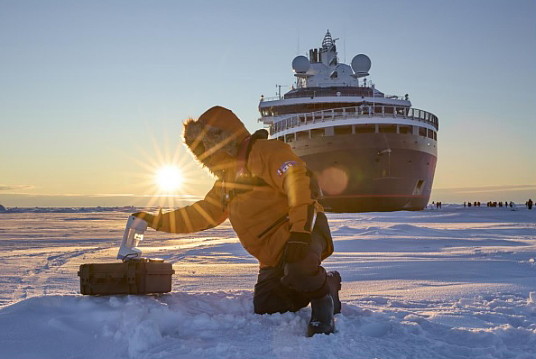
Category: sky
[93,93]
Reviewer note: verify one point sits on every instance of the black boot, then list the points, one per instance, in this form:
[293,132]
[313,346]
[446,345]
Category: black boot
[322,321]
[334,284]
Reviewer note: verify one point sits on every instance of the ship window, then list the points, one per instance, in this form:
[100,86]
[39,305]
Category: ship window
[281,138]
[405,130]
[343,130]
[422,131]
[302,135]
[317,132]
[435,135]
[365,128]
[430,133]
[387,128]
[289,138]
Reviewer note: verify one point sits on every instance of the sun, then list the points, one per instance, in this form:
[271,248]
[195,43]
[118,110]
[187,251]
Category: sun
[169,178]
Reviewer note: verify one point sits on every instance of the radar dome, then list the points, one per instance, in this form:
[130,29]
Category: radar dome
[301,64]
[361,63]
[344,69]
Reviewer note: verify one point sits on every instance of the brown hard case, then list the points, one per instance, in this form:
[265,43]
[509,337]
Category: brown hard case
[136,276]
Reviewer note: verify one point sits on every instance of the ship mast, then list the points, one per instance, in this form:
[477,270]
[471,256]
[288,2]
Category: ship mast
[322,68]
[328,52]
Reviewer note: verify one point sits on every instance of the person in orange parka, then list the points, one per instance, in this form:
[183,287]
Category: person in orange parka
[270,198]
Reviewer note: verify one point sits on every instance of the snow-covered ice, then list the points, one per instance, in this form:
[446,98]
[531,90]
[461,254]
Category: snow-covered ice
[450,283]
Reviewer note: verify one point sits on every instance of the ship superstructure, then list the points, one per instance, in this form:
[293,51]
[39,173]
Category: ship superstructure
[369,151]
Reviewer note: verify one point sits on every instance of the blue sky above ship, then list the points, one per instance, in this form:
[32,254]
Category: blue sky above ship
[93,95]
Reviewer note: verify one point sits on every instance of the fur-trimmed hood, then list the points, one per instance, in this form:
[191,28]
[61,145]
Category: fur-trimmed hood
[214,138]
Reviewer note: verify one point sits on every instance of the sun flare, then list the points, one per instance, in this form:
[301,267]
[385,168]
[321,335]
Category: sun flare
[169,178]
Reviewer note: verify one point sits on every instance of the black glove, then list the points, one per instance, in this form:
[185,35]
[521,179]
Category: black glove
[297,246]
[152,220]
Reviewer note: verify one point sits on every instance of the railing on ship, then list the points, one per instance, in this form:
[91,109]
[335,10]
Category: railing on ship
[355,112]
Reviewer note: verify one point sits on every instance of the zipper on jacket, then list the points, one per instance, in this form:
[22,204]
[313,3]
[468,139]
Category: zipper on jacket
[273,225]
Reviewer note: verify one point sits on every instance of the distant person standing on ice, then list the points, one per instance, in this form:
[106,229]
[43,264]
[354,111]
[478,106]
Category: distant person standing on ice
[270,198]
[530,203]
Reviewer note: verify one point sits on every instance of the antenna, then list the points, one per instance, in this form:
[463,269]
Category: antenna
[344,49]
[344,42]
[298,45]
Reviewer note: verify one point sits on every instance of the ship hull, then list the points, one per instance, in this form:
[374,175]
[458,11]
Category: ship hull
[371,172]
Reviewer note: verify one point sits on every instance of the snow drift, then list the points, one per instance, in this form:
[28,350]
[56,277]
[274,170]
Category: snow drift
[450,283]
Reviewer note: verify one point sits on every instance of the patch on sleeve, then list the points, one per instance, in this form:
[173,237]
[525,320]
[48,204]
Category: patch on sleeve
[284,167]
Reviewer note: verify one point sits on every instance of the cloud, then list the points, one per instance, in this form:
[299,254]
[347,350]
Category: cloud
[176,196]
[16,187]
[187,197]
[488,189]
[90,200]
